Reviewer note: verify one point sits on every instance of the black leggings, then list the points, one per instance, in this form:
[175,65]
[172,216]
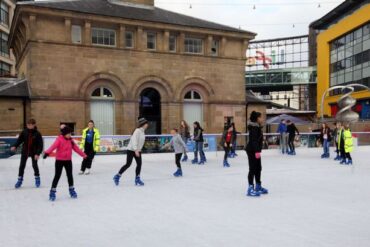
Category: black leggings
[130,156]
[178,158]
[59,164]
[255,168]
[22,166]
[89,151]
[227,150]
[291,142]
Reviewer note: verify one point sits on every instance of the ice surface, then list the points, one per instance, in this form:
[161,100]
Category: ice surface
[312,202]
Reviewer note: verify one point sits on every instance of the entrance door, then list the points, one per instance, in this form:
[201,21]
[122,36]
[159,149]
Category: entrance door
[150,108]
[102,112]
[193,108]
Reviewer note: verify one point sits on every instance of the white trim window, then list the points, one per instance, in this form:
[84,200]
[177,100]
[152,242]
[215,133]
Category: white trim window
[172,43]
[4,15]
[193,45]
[76,34]
[102,36]
[193,96]
[214,48]
[151,41]
[129,39]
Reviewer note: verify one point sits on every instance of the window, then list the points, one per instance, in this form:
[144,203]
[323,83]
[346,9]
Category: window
[129,39]
[102,92]
[214,48]
[193,45]
[151,39]
[193,96]
[4,13]
[172,43]
[76,34]
[4,44]
[4,69]
[106,37]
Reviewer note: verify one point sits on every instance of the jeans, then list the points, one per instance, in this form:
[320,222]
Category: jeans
[199,148]
[326,146]
[283,142]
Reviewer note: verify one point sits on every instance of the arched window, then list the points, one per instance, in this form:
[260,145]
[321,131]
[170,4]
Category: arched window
[193,96]
[102,93]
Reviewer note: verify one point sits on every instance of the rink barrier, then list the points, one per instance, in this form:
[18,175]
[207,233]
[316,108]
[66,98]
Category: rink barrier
[117,144]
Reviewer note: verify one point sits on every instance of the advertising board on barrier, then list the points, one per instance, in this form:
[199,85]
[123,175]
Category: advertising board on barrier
[5,145]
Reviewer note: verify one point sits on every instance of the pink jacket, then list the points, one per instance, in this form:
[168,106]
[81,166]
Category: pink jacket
[64,148]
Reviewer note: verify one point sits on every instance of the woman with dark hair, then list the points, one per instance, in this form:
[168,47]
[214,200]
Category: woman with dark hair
[134,149]
[185,135]
[198,138]
[325,138]
[292,131]
[254,149]
[90,143]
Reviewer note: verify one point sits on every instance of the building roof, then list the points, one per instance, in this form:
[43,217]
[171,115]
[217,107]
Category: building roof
[151,14]
[338,13]
[253,99]
[12,87]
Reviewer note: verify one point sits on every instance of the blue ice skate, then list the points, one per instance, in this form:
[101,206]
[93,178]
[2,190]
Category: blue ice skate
[349,162]
[138,181]
[252,192]
[72,192]
[19,183]
[178,173]
[184,159]
[201,162]
[337,157]
[226,164]
[116,179]
[343,162]
[52,195]
[194,161]
[261,190]
[37,182]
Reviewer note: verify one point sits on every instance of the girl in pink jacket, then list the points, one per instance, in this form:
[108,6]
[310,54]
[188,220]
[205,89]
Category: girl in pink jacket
[64,145]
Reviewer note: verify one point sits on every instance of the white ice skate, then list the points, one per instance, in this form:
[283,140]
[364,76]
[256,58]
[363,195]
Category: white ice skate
[81,173]
[87,172]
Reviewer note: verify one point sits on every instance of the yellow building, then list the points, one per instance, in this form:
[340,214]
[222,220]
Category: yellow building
[343,54]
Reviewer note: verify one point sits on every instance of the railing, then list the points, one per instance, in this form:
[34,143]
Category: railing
[155,143]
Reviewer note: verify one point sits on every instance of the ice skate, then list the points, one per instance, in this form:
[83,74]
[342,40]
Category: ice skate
[72,192]
[37,182]
[252,192]
[261,190]
[138,181]
[19,183]
[178,173]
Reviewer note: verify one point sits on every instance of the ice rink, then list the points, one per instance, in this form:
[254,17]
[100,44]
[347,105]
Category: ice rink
[312,202]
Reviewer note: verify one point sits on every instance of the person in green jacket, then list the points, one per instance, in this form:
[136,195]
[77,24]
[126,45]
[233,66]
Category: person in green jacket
[348,144]
[90,143]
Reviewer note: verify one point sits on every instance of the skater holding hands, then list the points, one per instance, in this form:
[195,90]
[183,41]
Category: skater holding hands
[254,149]
[64,144]
[134,149]
[32,148]
[179,147]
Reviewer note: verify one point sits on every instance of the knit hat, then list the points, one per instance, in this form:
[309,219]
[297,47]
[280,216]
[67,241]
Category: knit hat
[254,116]
[142,121]
[66,130]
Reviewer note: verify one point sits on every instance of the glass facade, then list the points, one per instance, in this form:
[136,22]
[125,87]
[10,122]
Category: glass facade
[350,59]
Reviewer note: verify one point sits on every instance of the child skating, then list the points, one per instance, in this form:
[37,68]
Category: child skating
[64,144]
[134,149]
[32,148]
[254,149]
[179,147]
[227,141]
[348,145]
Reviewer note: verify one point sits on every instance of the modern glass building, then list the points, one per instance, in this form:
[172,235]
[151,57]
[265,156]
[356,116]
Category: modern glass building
[343,54]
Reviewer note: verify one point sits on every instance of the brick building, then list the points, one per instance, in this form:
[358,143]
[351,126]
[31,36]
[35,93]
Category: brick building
[115,60]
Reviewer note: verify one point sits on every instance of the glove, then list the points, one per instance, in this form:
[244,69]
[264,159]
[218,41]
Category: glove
[258,156]
[45,156]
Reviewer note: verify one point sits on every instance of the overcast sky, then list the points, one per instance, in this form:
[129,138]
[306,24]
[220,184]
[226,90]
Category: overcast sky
[269,19]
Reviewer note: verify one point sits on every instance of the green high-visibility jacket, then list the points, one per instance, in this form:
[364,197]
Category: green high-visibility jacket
[348,141]
[96,139]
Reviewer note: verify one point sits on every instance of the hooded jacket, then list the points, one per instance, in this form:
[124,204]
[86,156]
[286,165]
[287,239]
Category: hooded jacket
[64,149]
[32,142]
[255,138]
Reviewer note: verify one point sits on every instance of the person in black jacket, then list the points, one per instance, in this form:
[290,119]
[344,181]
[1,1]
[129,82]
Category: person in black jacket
[227,142]
[292,130]
[198,139]
[254,149]
[32,148]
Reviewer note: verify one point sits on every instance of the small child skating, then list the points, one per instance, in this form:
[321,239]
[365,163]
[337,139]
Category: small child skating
[227,141]
[64,144]
[179,147]
[32,148]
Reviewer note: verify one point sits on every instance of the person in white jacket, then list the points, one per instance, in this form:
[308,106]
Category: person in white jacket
[134,149]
